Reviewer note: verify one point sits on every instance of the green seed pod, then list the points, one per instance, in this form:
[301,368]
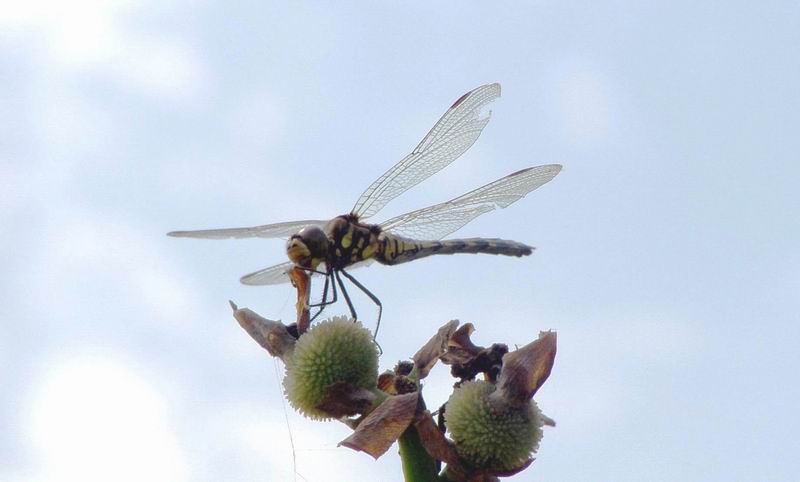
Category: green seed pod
[488,438]
[335,350]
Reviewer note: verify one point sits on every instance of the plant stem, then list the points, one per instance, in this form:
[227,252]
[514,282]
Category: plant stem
[418,465]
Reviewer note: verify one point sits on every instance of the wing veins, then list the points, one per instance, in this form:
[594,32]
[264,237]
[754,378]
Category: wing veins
[452,135]
[439,220]
[275,230]
[273,275]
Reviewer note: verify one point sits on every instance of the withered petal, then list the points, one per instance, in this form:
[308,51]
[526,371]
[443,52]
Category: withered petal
[350,422]
[460,349]
[460,339]
[526,369]
[429,354]
[271,335]
[384,425]
[434,441]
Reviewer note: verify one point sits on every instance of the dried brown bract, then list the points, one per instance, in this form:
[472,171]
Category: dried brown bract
[384,425]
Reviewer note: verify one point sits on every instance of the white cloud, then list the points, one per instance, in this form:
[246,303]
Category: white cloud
[94,419]
[76,32]
[90,36]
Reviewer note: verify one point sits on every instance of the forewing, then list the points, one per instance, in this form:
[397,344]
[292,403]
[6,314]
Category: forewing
[268,276]
[280,273]
[437,221]
[276,230]
[453,134]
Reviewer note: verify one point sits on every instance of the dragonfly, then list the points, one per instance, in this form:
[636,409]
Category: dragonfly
[332,247]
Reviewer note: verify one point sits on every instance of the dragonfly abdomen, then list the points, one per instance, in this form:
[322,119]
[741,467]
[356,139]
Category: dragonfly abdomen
[396,250]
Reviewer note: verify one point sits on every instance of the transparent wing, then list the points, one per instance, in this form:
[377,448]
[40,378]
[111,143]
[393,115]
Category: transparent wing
[268,276]
[280,273]
[437,221]
[277,230]
[453,134]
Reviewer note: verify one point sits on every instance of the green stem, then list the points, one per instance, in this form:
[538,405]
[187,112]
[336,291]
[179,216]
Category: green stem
[418,465]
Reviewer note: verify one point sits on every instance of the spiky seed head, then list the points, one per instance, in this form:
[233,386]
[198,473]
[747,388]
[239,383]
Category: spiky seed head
[335,350]
[489,438]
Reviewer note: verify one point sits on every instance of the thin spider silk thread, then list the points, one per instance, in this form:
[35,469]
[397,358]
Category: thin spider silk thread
[286,419]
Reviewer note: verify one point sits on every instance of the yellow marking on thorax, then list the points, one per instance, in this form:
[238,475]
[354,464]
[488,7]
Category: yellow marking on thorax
[347,239]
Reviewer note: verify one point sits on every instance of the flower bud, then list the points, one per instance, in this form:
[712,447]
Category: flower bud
[335,350]
[490,436]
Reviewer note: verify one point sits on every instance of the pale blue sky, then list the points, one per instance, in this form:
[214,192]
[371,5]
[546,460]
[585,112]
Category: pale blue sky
[667,248]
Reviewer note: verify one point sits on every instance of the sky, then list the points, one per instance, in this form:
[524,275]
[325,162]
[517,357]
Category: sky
[666,248]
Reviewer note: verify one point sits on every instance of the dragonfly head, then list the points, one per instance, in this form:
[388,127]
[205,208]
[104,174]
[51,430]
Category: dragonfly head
[308,248]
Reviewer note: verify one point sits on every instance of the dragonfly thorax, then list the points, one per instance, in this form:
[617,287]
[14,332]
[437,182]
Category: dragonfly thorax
[350,241]
[308,248]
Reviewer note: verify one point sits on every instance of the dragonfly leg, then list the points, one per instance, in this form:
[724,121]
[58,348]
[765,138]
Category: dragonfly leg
[312,270]
[324,295]
[346,296]
[371,296]
[316,314]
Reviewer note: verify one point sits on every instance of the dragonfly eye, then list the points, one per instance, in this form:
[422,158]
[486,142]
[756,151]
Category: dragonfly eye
[308,247]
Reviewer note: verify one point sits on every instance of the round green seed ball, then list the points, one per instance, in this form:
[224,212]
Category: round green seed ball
[487,439]
[335,350]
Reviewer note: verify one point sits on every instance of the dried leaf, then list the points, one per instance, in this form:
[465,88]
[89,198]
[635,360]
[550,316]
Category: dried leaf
[434,441]
[350,422]
[460,348]
[526,369]
[379,430]
[342,399]
[429,354]
[271,335]
[467,359]
[488,361]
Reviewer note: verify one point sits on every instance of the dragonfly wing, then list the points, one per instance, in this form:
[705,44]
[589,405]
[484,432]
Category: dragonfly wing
[279,273]
[276,230]
[453,134]
[437,221]
[269,276]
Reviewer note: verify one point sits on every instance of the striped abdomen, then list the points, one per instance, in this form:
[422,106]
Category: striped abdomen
[396,250]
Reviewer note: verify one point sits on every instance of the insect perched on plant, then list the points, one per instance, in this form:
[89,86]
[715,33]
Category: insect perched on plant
[331,247]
